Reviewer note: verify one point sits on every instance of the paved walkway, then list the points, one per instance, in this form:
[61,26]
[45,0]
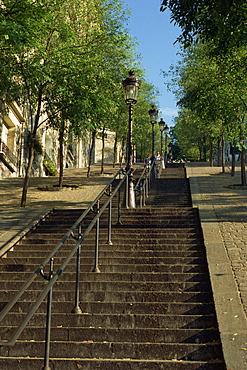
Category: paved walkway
[230,207]
[222,207]
[224,223]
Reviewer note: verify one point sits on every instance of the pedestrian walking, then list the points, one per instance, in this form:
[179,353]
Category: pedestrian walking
[147,161]
[157,164]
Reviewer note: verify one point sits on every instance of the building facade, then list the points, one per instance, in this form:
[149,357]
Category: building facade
[12,123]
[14,139]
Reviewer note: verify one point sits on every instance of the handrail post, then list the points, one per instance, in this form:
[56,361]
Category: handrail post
[144,196]
[127,192]
[150,178]
[141,192]
[109,242]
[96,253]
[77,308]
[48,320]
[144,192]
[147,185]
[119,208]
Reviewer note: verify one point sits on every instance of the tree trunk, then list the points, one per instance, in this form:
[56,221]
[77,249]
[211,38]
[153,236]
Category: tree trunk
[115,150]
[27,174]
[61,157]
[91,153]
[103,151]
[205,149]
[218,152]
[31,151]
[223,154]
[232,151]
[242,156]
[211,160]
[243,174]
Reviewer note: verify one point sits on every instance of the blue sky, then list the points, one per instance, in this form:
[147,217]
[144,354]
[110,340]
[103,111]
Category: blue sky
[155,35]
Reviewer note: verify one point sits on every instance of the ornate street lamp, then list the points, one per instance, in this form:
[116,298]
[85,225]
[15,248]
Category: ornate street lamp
[153,114]
[131,86]
[163,128]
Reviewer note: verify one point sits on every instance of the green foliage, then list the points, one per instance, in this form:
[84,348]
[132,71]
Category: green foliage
[69,56]
[223,21]
[50,166]
[38,146]
[65,60]
[212,96]
[189,137]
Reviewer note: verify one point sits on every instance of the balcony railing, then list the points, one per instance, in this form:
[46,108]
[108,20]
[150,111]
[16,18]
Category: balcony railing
[7,157]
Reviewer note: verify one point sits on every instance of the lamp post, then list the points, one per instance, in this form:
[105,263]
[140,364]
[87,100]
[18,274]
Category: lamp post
[163,128]
[153,114]
[131,86]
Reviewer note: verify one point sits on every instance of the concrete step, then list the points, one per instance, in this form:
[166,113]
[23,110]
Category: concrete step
[13,266]
[122,234]
[98,350]
[117,244]
[138,225]
[104,253]
[118,247]
[140,230]
[124,276]
[141,335]
[179,213]
[153,308]
[116,286]
[163,243]
[121,296]
[35,363]
[159,227]
[35,260]
[116,321]
[181,217]
[162,209]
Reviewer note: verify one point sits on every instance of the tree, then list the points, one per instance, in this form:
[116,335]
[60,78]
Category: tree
[195,83]
[223,21]
[40,60]
[61,59]
[213,91]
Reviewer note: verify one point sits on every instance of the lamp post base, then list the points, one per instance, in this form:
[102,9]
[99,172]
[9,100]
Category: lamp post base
[131,195]
[129,200]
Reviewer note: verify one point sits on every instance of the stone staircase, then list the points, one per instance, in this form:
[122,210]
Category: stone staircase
[150,307]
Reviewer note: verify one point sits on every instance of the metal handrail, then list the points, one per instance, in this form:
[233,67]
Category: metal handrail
[143,184]
[56,275]
[54,251]
[137,186]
